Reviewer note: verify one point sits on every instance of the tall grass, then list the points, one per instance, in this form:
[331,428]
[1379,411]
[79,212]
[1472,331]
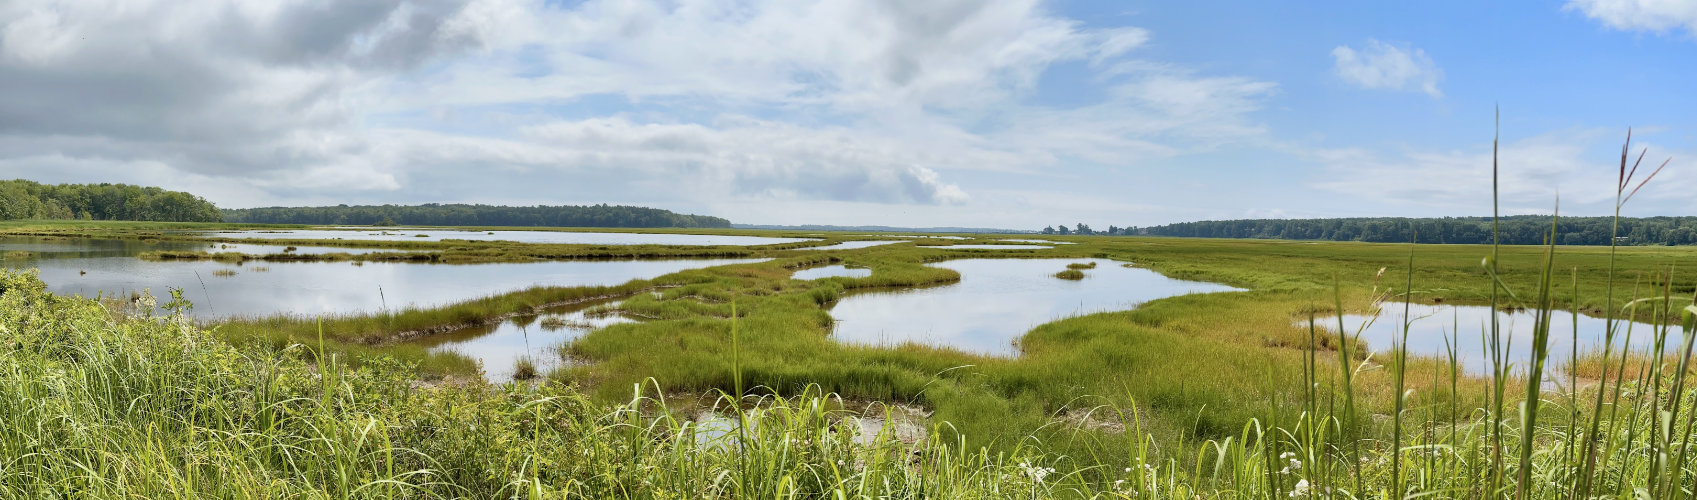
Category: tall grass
[101,405]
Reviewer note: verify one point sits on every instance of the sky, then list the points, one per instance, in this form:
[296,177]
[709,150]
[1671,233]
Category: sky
[999,113]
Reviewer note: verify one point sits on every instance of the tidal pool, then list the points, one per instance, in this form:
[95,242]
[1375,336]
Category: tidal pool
[997,301]
[1468,328]
[75,248]
[220,289]
[1001,247]
[915,236]
[499,347]
[555,237]
[831,271]
[850,245]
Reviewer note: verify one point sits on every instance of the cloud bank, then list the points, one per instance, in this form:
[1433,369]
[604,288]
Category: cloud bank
[678,104]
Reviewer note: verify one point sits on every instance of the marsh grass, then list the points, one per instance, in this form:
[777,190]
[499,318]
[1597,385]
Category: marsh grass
[155,408]
[1070,274]
[1191,396]
[524,368]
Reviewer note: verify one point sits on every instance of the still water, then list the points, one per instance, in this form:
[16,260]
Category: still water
[997,301]
[1000,247]
[831,271]
[1468,328]
[75,248]
[324,288]
[554,237]
[850,245]
[499,347]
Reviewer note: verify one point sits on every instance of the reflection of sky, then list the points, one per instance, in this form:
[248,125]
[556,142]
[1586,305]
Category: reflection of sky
[499,347]
[1434,323]
[916,236]
[313,288]
[997,301]
[79,247]
[406,234]
[1002,247]
[830,271]
[850,245]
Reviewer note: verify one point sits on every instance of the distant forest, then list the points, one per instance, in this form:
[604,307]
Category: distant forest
[433,214]
[1516,230]
[21,199]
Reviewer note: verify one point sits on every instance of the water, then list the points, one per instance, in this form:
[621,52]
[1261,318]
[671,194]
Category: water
[498,347]
[1001,247]
[831,271]
[997,301]
[1433,323]
[1041,242]
[556,237]
[916,236]
[850,245]
[314,288]
[76,248]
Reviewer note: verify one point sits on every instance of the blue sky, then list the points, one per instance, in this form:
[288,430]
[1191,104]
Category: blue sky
[1013,113]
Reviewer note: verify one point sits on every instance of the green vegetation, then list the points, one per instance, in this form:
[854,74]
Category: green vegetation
[433,214]
[1070,274]
[1515,230]
[21,199]
[99,406]
[106,406]
[524,369]
[1216,395]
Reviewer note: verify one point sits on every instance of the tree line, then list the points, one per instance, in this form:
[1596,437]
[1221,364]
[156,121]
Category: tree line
[1083,229]
[21,199]
[1513,230]
[434,214]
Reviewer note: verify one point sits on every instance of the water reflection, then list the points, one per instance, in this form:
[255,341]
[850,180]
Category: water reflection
[1468,327]
[1002,247]
[221,289]
[850,245]
[831,271]
[997,301]
[916,236]
[554,237]
[74,248]
[498,347]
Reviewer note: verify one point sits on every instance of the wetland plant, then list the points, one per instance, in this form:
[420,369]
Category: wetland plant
[525,369]
[1070,274]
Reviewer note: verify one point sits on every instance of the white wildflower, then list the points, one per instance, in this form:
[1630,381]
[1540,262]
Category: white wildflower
[1300,489]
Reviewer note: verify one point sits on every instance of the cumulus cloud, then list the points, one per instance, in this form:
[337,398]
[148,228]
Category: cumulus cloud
[304,101]
[753,157]
[1384,66]
[1658,16]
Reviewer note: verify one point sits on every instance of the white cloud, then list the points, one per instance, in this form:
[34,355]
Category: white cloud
[877,103]
[1384,66]
[1658,16]
[752,157]
[1579,166]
